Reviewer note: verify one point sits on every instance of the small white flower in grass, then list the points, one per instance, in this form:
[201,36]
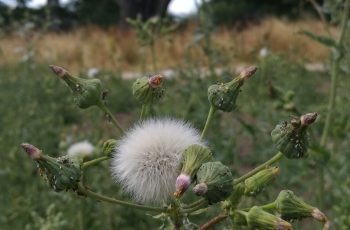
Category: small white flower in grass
[81,149]
[147,160]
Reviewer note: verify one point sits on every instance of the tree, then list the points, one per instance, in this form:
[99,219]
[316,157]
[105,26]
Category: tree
[145,8]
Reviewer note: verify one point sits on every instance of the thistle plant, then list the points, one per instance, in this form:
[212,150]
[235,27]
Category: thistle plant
[157,160]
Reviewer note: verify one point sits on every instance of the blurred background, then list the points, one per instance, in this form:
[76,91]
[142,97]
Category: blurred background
[193,44]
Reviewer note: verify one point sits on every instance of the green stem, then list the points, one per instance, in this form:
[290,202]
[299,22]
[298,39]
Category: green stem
[332,98]
[193,204]
[269,207]
[209,119]
[96,196]
[194,208]
[144,111]
[273,160]
[94,162]
[153,56]
[114,121]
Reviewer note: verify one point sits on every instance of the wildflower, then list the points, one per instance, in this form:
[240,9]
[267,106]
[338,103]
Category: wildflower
[81,149]
[147,160]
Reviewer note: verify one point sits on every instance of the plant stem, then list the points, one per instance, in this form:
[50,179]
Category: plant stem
[209,119]
[273,160]
[144,111]
[193,204]
[213,221]
[332,98]
[194,207]
[153,57]
[94,162]
[114,121]
[100,197]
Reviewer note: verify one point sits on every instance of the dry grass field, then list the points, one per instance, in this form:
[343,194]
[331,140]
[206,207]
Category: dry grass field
[117,50]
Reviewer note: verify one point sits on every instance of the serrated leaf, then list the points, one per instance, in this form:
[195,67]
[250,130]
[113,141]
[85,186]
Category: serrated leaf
[324,40]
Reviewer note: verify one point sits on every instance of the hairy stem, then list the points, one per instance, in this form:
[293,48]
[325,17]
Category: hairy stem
[273,160]
[99,197]
[111,116]
[214,221]
[209,119]
[94,162]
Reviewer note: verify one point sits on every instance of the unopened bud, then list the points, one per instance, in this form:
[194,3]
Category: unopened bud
[218,180]
[257,218]
[256,183]
[248,72]
[148,89]
[31,150]
[86,92]
[61,173]
[200,189]
[109,147]
[308,119]
[182,183]
[292,207]
[223,96]
[192,158]
[291,137]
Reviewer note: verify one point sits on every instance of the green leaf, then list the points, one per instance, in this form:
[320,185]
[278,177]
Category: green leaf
[324,40]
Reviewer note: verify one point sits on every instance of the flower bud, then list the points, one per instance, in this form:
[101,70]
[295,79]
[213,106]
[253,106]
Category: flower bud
[256,183]
[257,218]
[292,207]
[214,182]
[109,147]
[148,89]
[223,96]
[291,137]
[61,173]
[192,158]
[86,92]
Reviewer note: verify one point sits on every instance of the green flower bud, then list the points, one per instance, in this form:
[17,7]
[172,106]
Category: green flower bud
[148,89]
[291,137]
[86,92]
[292,207]
[257,218]
[214,182]
[256,183]
[192,158]
[61,173]
[223,96]
[109,146]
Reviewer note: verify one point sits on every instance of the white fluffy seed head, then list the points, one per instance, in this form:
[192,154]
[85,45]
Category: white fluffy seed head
[147,160]
[81,149]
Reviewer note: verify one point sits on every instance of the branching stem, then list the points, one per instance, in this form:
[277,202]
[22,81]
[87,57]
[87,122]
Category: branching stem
[213,221]
[99,197]
[209,119]
[94,162]
[273,160]
[111,116]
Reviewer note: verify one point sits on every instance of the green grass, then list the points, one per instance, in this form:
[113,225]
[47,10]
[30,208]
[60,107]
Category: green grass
[37,108]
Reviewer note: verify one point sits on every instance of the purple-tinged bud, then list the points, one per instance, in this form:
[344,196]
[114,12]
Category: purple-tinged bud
[200,189]
[32,151]
[59,71]
[320,216]
[308,119]
[155,81]
[247,72]
[182,183]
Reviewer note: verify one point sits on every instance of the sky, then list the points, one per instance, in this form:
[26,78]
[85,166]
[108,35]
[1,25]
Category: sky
[176,7]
